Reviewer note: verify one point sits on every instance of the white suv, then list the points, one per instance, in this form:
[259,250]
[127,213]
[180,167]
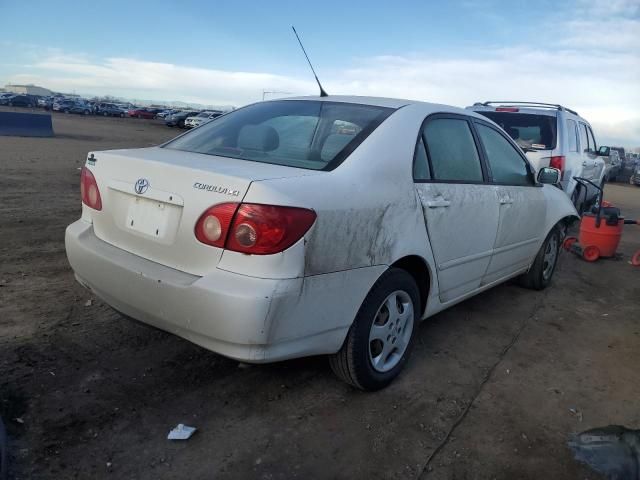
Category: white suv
[552,135]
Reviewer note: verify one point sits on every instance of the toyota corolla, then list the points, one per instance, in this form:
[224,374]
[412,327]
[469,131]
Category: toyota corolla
[312,226]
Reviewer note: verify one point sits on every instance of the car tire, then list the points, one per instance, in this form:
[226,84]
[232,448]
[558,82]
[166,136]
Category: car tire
[66,110]
[85,112]
[106,114]
[181,123]
[541,272]
[122,115]
[384,329]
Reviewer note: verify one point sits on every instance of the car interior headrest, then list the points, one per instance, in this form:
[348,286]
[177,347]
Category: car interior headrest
[333,144]
[258,137]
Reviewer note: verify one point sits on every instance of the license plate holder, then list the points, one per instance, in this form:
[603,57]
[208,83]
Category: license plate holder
[149,217]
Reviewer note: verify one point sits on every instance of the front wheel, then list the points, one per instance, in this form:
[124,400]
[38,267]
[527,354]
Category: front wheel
[539,275]
[381,337]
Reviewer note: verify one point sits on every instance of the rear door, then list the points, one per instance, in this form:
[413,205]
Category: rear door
[590,168]
[522,204]
[459,206]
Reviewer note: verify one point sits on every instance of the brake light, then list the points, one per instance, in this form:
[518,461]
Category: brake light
[89,190]
[253,228]
[507,109]
[213,225]
[558,162]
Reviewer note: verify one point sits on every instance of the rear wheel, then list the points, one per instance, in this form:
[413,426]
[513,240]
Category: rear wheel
[122,115]
[381,337]
[539,275]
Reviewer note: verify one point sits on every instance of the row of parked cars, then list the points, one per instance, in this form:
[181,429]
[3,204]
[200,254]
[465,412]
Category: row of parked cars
[172,117]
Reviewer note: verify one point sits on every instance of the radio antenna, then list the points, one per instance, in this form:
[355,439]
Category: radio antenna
[322,92]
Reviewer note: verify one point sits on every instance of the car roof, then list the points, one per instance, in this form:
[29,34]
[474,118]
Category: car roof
[394,103]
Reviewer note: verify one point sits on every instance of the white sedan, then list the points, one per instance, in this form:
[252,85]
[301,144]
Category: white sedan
[200,119]
[314,226]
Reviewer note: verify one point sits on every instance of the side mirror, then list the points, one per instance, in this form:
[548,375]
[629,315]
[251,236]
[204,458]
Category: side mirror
[549,175]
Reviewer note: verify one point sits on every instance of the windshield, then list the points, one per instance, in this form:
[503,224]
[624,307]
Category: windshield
[297,133]
[527,130]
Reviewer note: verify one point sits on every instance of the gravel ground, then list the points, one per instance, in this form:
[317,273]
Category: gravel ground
[488,393]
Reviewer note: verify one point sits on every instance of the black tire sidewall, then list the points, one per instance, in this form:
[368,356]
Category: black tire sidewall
[392,280]
[540,281]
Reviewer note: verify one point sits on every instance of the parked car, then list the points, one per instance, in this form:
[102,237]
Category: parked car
[142,113]
[178,119]
[4,98]
[164,113]
[63,105]
[111,110]
[552,135]
[201,118]
[635,176]
[613,163]
[269,235]
[21,101]
[80,108]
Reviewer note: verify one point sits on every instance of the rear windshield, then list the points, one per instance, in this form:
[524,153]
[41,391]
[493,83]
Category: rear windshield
[296,133]
[527,130]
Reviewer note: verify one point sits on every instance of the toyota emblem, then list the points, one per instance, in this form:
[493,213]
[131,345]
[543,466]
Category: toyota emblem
[141,186]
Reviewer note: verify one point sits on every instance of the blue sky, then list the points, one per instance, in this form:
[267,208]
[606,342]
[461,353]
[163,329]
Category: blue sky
[584,53]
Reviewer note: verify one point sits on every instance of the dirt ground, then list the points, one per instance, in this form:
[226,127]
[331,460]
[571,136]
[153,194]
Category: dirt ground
[487,394]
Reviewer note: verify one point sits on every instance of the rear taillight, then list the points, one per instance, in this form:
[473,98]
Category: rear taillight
[507,109]
[213,225]
[255,228]
[558,162]
[89,190]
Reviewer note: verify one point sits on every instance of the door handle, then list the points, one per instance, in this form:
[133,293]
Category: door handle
[439,203]
[584,164]
[506,201]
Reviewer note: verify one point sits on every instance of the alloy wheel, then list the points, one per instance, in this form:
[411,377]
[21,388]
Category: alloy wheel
[391,331]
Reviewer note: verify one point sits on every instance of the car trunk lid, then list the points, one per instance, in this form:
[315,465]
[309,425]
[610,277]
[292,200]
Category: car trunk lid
[153,197]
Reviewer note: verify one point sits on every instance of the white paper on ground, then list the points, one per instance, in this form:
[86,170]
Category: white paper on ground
[181,432]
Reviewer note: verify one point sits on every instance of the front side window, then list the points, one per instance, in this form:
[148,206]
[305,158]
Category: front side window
[572,135]
[297,133]
[452,151]
[507,166]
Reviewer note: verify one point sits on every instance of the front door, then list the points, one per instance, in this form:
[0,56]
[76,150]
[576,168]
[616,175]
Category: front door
[460,208]
[522,205]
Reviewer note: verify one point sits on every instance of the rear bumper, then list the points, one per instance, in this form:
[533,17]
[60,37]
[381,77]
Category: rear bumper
[228,313]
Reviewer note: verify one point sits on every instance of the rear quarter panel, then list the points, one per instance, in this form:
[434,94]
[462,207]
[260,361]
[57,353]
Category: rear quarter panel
[367,209]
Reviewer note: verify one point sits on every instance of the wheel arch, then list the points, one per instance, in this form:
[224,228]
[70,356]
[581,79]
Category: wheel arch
[419,269]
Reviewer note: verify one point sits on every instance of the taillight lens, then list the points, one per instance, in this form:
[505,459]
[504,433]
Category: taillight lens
[89,190]
[255,228]
[558,162]
[213,225]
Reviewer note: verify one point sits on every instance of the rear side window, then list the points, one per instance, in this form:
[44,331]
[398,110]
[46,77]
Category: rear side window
[572,135]
[421,169]
[527,130]
[296,133]
[507,166]
[452,150]
[584,143]
[592,140]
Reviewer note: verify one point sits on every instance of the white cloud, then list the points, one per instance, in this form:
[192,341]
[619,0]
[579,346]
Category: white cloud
[590,63]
